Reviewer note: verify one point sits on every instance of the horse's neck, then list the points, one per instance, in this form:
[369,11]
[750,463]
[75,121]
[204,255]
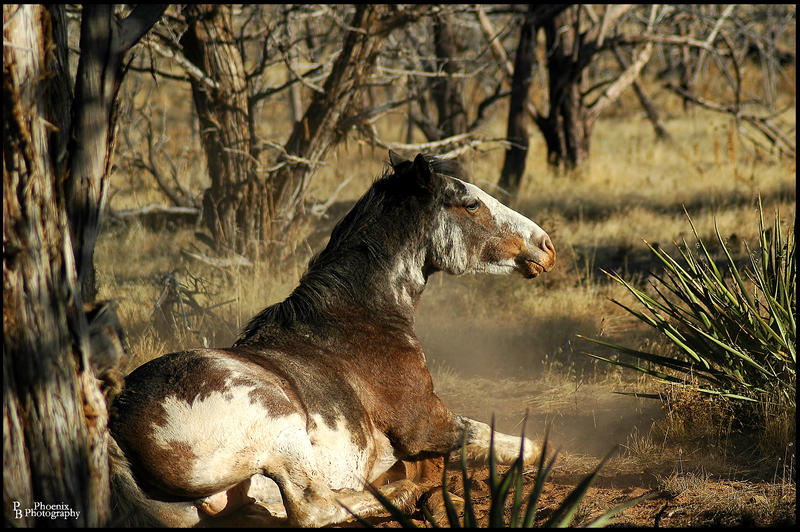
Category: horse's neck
[387,291]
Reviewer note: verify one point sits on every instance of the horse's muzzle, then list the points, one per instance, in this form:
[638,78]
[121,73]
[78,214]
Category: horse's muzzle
[532,263]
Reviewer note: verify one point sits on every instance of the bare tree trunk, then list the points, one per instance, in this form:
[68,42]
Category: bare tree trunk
[565,129]
[447,92]
[517,132]
[54,412]
[235,205]
[104,43]
[318,130]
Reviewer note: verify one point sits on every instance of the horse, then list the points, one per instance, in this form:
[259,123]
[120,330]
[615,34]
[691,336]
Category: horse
[329,388]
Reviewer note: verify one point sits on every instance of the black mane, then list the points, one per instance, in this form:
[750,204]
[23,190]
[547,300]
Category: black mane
[358,242]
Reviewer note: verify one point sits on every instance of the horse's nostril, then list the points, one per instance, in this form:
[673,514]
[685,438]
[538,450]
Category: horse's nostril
[548,245]
[550,250]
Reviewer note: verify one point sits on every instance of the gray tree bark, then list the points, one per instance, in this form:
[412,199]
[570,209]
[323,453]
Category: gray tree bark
[54,411]
[104,43]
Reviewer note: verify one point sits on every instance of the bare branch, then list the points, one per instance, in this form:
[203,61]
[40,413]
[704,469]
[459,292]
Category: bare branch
[611,15]
[191,69]
[139,22]
[497,47]
[639,38]
[612,93]
[763,124]
[711,37]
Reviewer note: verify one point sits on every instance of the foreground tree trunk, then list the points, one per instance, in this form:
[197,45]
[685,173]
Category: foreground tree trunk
[54,411]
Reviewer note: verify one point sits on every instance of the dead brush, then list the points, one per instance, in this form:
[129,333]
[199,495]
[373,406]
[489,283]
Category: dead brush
[691,417]
[178,309]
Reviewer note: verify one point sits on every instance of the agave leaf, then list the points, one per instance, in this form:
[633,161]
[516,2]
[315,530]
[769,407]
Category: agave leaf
[542,473]
[738,353]
[641,296]
[673,363]
[603,519]
[662,325]
[775,310]
[565,513]
[738,278]
[643,317]
[429,517]
[702,245]
[492,462]
[653,373]
[498,504]
[452,515]
[469,510]
[517,502]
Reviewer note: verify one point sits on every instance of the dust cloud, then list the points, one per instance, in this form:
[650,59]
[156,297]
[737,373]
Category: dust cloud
[508,365]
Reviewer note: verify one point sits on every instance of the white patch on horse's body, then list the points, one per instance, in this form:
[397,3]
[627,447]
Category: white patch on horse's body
[406,279]
[343,463]
[340,460]
[225,428]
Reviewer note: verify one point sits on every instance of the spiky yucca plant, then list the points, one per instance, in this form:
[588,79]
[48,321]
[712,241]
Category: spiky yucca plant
[523,512]
[733,328]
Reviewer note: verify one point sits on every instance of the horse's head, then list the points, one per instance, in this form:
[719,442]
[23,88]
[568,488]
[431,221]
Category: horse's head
[471,231]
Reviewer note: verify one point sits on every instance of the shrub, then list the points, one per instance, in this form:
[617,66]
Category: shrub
[733,327]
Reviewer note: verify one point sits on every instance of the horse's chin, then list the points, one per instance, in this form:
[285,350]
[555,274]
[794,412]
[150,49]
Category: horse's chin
[529,269]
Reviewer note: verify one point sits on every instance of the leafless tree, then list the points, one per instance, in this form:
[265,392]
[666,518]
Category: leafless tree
[444,69]
[583,43]
[258,186]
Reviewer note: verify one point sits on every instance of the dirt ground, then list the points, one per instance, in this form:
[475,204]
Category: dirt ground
[588,422]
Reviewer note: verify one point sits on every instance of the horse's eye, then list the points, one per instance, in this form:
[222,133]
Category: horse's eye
[473,205]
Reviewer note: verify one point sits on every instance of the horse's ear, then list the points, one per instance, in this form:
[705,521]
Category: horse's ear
[422,170]
[396,159]
[400,164]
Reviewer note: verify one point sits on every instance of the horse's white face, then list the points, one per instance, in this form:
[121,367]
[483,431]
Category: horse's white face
[474,232]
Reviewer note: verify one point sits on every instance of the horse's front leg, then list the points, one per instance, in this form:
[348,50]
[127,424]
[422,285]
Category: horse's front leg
[506,447]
